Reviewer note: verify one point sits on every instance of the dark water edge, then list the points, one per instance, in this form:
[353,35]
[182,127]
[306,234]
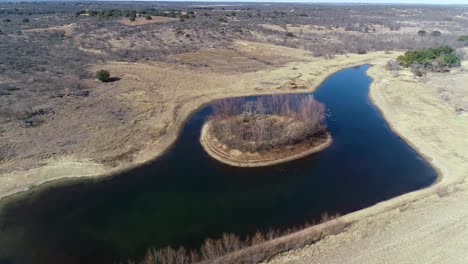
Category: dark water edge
[185,196]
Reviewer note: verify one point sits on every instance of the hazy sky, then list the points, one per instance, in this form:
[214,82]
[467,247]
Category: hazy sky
[444,2]
[389,1]
[430,2]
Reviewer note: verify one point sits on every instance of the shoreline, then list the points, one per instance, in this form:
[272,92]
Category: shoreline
[224,157]
[375,214]
[184,111]
[410,110]
[371,95]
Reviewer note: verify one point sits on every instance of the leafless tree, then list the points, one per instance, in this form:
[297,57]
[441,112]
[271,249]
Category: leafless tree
[268,122]
[393,66]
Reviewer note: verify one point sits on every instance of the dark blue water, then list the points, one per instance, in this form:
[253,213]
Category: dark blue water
[185,196]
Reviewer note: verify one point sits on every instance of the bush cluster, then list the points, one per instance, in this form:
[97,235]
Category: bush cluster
[231,249]
[103,75]
[463,38]
[422,33]
[134,13]
[434,59]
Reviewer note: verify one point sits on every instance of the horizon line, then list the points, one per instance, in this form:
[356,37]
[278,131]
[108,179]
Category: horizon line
[320,2]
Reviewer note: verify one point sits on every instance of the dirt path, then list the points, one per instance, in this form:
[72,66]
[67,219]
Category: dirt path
[426,226]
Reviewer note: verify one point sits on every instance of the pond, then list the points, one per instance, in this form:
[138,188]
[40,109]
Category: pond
[185,196]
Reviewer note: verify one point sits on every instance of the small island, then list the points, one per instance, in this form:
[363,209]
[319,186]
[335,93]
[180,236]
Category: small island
[265,131]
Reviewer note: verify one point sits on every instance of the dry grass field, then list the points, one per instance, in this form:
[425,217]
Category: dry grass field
[57,121]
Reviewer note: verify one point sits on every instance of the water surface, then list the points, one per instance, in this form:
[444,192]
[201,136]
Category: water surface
[186,196]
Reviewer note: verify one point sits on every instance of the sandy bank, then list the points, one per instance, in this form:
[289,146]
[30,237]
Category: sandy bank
[426,226]
[239,159]
[133,121]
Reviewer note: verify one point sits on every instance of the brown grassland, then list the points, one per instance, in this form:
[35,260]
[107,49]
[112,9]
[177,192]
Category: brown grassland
[57,121]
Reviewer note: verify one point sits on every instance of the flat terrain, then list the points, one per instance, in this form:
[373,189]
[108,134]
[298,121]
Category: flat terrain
[57,121]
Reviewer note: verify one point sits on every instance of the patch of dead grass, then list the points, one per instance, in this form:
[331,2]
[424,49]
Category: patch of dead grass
[68,29]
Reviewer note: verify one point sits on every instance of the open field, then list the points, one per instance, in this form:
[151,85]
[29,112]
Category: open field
[57,121]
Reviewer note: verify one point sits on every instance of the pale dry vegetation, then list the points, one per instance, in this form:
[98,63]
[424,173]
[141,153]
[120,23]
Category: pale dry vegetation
[268,122]
[47,58]
[261,246]
[46,81]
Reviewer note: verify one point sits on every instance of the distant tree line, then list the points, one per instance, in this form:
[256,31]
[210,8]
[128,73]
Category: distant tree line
[135,13]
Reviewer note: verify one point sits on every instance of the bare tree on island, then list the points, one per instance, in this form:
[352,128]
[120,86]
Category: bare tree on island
[267,122]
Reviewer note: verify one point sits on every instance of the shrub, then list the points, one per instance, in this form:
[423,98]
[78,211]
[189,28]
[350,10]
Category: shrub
[436,33]
[103,75]
[434,58]
[268,122]
[393,66]
[79,13]
[463,38]
[361,51]
[25,20]
[132,17]
[230,249]
[418,70]
[422,33]
[149,17]
[289,34]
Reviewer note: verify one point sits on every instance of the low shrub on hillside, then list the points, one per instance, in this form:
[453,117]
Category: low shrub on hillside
[103,75]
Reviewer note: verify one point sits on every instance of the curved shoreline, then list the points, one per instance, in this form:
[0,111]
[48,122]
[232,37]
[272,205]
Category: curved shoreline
[206,142]
[384,206]
[386,223]
[182,114]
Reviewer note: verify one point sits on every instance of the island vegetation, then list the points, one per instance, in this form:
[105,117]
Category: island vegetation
[265,131]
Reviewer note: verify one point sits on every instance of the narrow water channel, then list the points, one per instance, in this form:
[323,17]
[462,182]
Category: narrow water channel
[185,196]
